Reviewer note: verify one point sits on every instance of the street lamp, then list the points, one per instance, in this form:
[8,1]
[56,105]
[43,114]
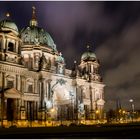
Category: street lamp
[132,106]
[97,111]
[97,114]
[52,110]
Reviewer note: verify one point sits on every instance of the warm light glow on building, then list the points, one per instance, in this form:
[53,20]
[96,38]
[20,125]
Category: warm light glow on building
[52,110]
[97,111]
[37,87]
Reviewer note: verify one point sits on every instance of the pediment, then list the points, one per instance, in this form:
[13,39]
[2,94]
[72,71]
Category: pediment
[12,93]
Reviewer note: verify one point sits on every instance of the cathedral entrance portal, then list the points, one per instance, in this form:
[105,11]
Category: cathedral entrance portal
[30,111]
[10,109]
[62,112]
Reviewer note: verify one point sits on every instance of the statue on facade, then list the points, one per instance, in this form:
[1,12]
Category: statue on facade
[48,65]
[60,70]
[44,63]
[26,38]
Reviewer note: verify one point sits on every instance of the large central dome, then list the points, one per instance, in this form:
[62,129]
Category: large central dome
[34,35]
[38,36]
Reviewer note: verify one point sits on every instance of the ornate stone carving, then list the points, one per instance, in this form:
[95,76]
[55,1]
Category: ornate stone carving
[45,63]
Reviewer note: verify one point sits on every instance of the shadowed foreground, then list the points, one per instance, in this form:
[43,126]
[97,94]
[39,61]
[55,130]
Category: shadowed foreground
[98,131]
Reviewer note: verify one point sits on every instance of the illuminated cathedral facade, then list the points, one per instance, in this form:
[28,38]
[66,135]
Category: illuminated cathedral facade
[34,81]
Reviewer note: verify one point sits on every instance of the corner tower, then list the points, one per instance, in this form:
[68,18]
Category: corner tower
[89,66]
[89,86]
[9,41]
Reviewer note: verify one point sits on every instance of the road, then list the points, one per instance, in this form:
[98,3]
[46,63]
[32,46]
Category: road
[80,132]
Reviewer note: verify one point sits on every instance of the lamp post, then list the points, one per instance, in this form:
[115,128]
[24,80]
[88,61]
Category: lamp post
[132,107]
[124,115]
[52,112]
[91,104]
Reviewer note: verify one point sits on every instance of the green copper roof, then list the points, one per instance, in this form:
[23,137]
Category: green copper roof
[60,59]
[88,56]
[8,24]
[37,35]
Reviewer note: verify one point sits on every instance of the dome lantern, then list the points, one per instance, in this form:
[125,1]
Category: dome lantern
[33,21]
[88,55]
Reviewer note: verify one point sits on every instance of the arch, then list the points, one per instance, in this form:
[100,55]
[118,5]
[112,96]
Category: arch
[30,85]
[61,94]
[11,47]
[10,81]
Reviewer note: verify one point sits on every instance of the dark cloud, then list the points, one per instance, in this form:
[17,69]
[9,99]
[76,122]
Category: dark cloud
[112,28]
[120,55]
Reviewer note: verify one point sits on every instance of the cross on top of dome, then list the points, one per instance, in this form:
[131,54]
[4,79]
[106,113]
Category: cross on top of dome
[33,12]
[33,21]
[89,47]
[7,15]
[60,54]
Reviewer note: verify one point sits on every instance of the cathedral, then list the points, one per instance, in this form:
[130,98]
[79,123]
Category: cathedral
[35,83]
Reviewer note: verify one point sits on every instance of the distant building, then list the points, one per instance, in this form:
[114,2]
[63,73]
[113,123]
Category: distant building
[35,83]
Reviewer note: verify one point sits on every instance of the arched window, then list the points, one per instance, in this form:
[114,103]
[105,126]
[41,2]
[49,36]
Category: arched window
[30,88]
[10,84]
[11,47]
[10,81]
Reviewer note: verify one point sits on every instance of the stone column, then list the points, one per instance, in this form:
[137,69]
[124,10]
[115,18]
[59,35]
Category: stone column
[44,88]
[15,109]
[18,82]
[102,93]
[22,104]
[76,102]
[41,106]
[3,99]
[22,81]
[37,110]
[46,85]
[18,109]
[17,47]
[49,89]
[91,102]
[4,43]
[35,86]
[1,76]
[91,97]
[5,49]
[22,87]
[5,109]
[42,99]
[0,109]
[40,92]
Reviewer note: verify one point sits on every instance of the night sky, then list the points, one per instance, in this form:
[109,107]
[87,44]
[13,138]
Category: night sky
[111,28]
